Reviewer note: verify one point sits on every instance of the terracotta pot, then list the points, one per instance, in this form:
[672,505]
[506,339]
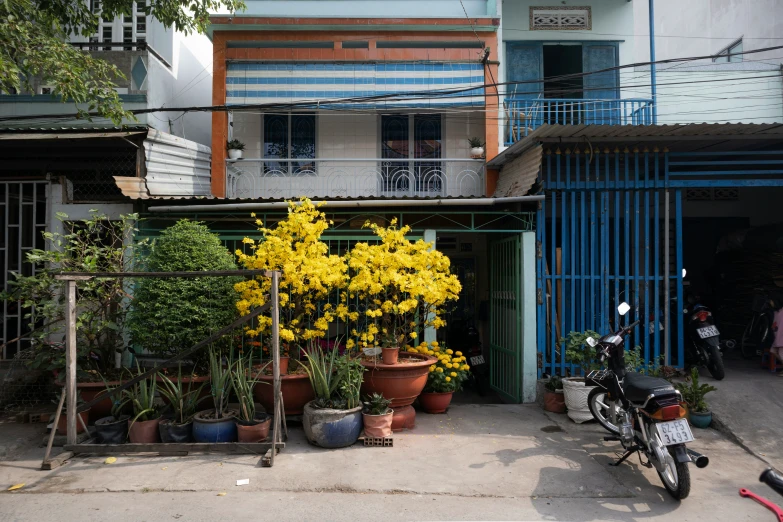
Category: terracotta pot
[62,424]
[144,432]
[90,391]
[283,365]
[435,402]
[554,401]
[403,382]
[255,431]
[296,389]
[378,426]
[390,355]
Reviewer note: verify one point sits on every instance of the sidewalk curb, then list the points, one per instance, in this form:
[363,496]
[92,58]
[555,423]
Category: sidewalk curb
[723,428]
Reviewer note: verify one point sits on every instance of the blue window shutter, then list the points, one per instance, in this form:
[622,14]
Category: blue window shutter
[595,57]
[524,63]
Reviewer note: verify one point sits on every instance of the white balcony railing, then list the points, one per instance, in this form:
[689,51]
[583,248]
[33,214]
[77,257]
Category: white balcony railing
[348,178]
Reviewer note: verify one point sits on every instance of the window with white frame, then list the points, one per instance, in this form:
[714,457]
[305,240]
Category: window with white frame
[288,144]
[411,148]
[732,53]
[128,28]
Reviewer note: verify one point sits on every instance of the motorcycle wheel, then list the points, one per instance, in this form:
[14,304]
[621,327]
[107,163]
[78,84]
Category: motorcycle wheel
[601,410]
[676,477]
[715,366]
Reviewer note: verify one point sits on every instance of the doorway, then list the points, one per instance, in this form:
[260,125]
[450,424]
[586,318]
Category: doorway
[559,61]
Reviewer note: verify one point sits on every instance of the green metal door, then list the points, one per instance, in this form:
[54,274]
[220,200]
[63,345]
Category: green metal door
[505,318]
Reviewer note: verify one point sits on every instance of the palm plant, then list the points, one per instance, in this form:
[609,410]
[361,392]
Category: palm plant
[141,396]
[184,403]
[243,383]
[220,381]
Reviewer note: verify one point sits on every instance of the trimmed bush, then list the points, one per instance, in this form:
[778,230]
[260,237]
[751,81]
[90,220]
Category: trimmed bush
[169,315]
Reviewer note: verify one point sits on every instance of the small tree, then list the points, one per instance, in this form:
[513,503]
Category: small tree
[404,284]
[310,274]
[693,393]
[169,315]
[578,352]
[96,244]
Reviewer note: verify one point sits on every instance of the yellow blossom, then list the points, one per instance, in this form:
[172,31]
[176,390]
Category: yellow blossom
[450,352]
[448,379]
[458,354]
[453,374]
[439,370]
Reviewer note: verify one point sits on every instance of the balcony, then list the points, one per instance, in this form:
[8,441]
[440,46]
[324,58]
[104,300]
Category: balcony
[525,116]
[350,178]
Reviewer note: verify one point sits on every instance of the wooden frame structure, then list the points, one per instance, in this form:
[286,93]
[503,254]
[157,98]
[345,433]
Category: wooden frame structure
[73,448]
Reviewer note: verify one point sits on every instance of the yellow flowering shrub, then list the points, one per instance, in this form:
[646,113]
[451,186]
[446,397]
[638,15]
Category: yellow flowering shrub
[405,285]
[446,375]
[310,274]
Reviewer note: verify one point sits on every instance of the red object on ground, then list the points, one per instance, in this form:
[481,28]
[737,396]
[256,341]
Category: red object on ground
[403,382]
[763,501]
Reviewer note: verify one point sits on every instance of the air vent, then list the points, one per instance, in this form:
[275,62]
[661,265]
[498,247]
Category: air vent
[561,18]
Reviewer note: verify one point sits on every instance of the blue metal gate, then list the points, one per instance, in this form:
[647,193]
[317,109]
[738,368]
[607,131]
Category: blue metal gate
[601,241]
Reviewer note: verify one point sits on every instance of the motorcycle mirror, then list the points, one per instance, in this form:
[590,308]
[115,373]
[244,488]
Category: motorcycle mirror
[592,342]
[623,308]
[684,273]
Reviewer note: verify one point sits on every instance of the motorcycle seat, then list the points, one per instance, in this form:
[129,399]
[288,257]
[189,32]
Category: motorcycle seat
[637,387]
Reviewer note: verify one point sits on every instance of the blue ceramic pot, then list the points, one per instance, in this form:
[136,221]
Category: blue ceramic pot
[206,429]
[700,420]
[329,428]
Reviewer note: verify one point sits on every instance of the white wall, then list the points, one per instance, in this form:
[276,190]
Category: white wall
[368,8]
[703,27]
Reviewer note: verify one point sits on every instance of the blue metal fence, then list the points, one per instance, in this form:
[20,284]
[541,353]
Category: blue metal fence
[526,115]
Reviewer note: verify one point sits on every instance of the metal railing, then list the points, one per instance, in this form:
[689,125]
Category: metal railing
[525,116]
[121,46]
[347,178]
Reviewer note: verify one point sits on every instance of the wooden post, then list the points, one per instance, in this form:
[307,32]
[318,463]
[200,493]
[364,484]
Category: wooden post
[70,360]
[274,296]
[54,430]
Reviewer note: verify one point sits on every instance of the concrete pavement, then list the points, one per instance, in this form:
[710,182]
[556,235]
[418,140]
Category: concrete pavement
[503,462]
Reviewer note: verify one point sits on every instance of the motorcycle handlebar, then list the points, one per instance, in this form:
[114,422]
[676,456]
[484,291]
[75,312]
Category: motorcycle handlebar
[772,479]
[631,326]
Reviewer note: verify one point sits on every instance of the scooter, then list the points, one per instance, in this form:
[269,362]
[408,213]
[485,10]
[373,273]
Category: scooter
[645,414]
[703,344]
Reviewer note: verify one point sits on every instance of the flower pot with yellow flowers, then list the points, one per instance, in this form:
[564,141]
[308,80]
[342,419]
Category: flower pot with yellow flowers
[444,378]
[403,286]
[309,276]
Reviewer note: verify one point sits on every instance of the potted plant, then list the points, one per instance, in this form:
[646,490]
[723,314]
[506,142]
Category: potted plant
[113,429]
[62,423]
[168,315]
[575,392]
[95,244]
[693,394]
[235,148]
[444,378]
[306,283]
[182,401]
[251,426]
[476,148]
[554,399]
[377,416]
[217,424]
[143,427]
[334,418]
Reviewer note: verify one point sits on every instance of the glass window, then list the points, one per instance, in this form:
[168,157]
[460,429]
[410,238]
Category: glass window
[127,37]
[289,137]
[107,37]
[397,144]
[732,53]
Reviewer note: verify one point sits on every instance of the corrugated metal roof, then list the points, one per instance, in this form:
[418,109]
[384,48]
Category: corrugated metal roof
[20,127]
[176,167]
[663,134]
[59,132]
[518,176]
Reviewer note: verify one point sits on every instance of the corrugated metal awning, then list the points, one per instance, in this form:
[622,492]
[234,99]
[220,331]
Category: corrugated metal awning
[176,167]
[21,132]
[677,137]
[518,176]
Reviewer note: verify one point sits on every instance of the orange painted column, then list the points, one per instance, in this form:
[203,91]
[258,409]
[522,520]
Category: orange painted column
[219,118]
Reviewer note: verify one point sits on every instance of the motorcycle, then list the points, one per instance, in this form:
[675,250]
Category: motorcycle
[758,335]
[705,347]
[645,414]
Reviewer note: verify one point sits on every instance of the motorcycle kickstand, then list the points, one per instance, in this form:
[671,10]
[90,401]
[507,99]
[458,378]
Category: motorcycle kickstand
[630,451]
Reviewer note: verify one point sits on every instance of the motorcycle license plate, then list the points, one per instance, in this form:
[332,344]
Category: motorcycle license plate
[476,360]
[674,432]
[708,331]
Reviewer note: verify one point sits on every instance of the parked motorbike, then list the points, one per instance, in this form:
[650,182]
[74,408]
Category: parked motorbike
[645,414]
[758,334]
[703,346]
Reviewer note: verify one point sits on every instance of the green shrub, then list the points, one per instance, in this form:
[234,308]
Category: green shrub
[169,315]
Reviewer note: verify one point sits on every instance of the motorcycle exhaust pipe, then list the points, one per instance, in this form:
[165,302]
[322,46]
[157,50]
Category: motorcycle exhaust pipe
[700,460]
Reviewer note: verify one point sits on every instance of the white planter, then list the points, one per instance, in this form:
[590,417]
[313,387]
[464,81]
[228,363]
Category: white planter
[476,151]
[576,399]
[234,154]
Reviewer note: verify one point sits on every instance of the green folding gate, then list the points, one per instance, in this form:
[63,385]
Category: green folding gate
[505,320]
